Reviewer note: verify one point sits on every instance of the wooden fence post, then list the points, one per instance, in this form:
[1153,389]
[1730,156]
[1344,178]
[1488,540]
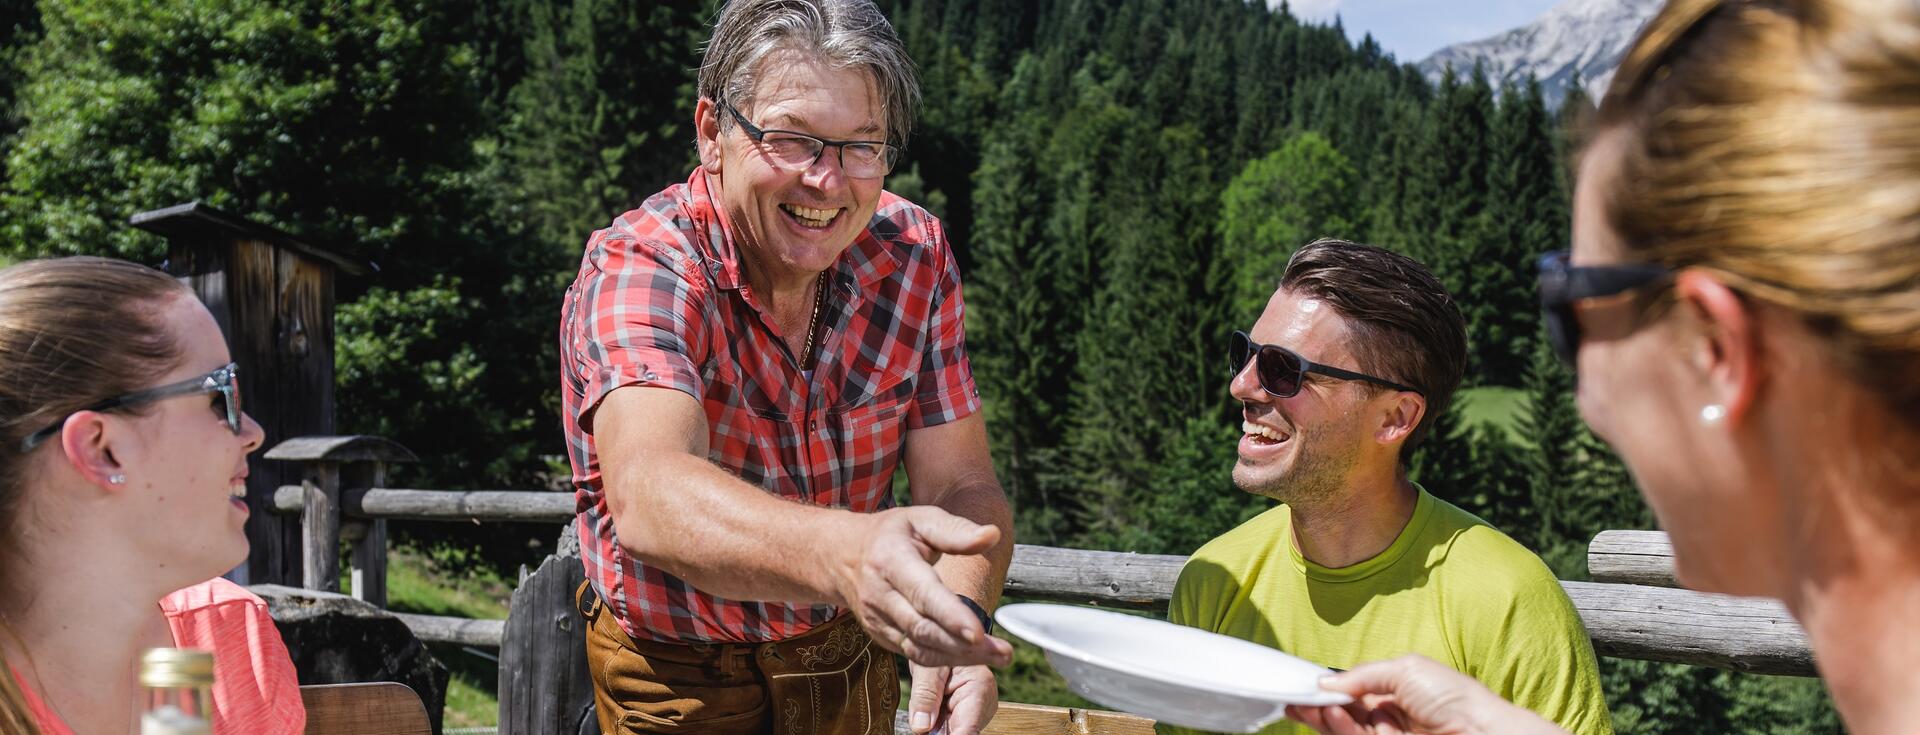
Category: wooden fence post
[272,295]
[339,469]
[545,687]
[320,527]
[368,566]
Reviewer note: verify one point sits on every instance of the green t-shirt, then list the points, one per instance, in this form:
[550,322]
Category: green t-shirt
[1450,588]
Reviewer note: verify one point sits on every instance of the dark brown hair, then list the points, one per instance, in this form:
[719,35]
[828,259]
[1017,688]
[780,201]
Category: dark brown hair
[73,332]
[1406,326]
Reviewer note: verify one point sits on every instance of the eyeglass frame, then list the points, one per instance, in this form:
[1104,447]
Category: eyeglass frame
[1562,284]
[1254,349]
[224,381]
[890,153]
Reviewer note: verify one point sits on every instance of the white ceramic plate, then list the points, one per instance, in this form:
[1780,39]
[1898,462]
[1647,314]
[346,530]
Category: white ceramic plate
[1171,673]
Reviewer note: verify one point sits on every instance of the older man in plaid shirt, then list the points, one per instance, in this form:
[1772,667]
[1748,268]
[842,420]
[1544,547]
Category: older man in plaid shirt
[745,361]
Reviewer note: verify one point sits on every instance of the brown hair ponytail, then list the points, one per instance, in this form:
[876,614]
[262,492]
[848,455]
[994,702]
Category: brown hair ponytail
[73,332]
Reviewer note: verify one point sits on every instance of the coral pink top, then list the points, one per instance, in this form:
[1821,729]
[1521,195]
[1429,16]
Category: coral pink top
[255,689]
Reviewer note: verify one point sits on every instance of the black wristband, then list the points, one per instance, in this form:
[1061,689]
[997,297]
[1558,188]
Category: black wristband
[986,621]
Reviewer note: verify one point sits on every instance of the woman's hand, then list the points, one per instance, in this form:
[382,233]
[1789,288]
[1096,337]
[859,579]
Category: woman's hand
[1415,695]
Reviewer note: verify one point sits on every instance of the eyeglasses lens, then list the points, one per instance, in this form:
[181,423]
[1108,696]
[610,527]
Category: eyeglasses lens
[1279,371]
[230,395]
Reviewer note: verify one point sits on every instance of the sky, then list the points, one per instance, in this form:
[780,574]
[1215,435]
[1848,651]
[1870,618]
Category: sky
[1412,29]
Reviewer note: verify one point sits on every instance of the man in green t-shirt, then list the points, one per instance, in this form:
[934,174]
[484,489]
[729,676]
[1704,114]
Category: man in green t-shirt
[1341,378]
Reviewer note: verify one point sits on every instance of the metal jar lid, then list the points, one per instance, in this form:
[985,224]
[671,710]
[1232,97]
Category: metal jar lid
[176,668]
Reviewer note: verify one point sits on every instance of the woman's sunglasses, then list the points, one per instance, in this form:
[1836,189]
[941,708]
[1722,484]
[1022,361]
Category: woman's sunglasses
[1282,371]
[225,382]
[1562,285]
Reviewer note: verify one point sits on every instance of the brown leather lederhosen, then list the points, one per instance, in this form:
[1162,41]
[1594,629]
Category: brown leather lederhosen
[831,680]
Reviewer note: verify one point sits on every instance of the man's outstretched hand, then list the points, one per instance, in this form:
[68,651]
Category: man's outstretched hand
[888,580]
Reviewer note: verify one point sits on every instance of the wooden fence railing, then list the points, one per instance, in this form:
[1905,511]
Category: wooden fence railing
[1632,609]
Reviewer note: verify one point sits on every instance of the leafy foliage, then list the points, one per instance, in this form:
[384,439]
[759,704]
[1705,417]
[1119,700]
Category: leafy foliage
[1290,197]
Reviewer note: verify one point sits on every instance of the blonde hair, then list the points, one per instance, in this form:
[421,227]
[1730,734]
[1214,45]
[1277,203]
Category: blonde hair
[1777,144]
[73,332]
[14,717]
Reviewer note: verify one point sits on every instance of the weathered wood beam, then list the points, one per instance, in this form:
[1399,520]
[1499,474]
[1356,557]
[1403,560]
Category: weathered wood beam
[1628,620]
[464,631]
[1685,627]
[1632,557]
[1104,578]
[519,506]
[350,448]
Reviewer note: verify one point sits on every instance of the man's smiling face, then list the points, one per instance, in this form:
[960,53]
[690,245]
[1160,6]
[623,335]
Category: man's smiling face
[797,222]
[1301,447]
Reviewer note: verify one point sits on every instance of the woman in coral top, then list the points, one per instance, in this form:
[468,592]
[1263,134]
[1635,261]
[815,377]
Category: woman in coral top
[123,456]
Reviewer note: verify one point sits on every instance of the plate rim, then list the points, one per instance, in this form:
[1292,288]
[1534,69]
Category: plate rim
[1020,628]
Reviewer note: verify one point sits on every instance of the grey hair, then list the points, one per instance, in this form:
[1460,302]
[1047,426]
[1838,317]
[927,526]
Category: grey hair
[844,33]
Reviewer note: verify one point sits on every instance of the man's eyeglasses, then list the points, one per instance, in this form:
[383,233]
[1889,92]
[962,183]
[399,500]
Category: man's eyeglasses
[1282,371]
[860,159]
[224,382]
[1562,285]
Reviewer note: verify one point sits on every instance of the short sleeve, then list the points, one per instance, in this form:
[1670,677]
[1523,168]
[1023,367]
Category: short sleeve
[946,389]
[634,317]
[255,687]
[1525,641]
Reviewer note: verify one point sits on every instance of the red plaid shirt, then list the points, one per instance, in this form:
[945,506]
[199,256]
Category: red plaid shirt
[660,301]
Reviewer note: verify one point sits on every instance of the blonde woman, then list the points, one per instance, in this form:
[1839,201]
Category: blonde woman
[122,451]
[1743,305]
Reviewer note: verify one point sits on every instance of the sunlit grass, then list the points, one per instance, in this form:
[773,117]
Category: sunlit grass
[458,587]
[1497,406]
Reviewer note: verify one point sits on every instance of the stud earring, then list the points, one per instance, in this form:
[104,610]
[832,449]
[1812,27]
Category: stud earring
[1712,414]
[117,479]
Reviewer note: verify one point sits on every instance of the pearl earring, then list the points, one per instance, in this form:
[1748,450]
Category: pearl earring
[1712,414]
[117,479]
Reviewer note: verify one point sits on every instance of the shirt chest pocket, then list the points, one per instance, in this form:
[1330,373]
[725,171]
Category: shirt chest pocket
[875,399]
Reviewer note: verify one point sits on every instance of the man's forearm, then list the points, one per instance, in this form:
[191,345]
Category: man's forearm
[702,524]
[979,577]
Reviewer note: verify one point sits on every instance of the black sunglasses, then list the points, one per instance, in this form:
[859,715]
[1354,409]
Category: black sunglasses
[1282,371]
[225,382]
[1562,285]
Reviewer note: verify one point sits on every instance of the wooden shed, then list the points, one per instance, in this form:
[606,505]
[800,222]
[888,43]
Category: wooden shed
[272,294]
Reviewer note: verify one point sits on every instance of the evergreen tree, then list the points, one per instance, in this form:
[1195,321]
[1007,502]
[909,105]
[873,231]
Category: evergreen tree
[1395,181]
[1476,468]
[1579,487]
[1127,408]
[1570,124]
[1457,161]
[1553,423]
[1194,498]
[1527,217]
[1416,220]
[588,138]
[19,29]
[1024,378]
[1443,463]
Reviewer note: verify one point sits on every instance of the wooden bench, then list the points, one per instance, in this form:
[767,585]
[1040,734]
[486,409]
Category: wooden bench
[379,708]
[1039,719]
